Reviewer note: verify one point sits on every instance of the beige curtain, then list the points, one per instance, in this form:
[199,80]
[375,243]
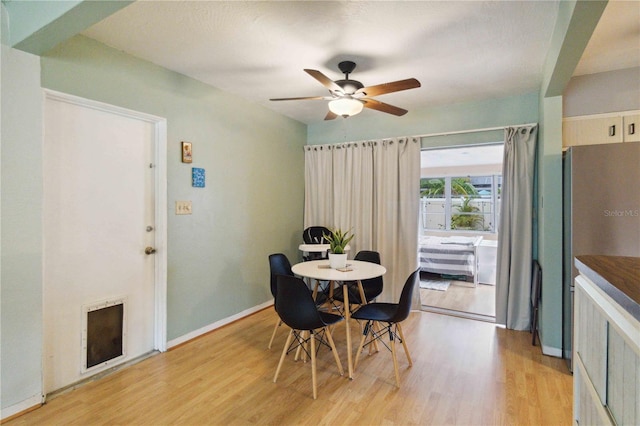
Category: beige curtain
[371,188]
[318,185]
[515,239]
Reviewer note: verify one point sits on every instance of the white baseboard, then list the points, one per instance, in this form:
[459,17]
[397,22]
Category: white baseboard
[551,351]
[27,404]
[199,332]
[36,400]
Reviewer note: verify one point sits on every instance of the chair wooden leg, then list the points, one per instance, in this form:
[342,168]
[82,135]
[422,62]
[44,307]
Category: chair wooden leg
[374,346]
[404,345]
[360,346]
[335,352]
[313,363]
[303,335]
[395,358]
[284,353]
[273,335]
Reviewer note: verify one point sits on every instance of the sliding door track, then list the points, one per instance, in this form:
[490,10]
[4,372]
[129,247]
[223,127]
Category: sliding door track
[459,314]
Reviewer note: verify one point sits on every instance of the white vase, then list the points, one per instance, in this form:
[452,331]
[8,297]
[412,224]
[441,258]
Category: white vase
[337,261]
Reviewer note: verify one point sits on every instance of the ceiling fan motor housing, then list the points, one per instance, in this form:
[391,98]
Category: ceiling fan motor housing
[349,86]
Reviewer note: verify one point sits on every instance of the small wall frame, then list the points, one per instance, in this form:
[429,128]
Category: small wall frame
[187,153]
[197,177]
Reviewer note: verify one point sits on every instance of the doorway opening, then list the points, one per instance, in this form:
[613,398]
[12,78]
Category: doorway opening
[459,215]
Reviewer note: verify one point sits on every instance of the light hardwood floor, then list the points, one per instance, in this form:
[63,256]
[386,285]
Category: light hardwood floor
[462,297]
[464,372]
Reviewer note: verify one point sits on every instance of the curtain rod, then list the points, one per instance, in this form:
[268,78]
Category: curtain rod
[460,132]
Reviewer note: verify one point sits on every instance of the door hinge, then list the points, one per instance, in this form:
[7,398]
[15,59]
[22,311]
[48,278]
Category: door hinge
[151,165]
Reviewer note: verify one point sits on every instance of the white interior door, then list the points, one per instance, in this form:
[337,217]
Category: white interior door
[99,216]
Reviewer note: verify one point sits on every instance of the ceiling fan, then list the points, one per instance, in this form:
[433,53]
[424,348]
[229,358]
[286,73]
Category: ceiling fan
[348,97]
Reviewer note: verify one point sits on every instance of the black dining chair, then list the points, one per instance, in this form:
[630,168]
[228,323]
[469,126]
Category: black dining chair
[391,315]
[372,288]
[278,265]
[297,309]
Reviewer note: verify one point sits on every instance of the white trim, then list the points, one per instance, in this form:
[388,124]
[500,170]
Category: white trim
[160,335]
[100,106]
[551,351]
[32,402]
[206,329]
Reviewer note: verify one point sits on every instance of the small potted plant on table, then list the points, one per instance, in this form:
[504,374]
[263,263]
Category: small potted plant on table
[338,240]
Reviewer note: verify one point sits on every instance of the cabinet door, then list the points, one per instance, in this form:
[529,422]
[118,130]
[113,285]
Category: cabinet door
[587,409]
[623,380]
[592,131]
[591,341]
[631,125]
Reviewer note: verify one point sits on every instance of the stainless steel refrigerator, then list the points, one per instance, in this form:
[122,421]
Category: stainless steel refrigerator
[601,212]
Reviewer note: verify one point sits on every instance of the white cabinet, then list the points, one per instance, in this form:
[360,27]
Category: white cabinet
[601,128]
[606,359]
[487,260]
[631,127]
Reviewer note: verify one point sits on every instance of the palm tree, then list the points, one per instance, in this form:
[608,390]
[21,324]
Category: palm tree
[433,188]
[466,219]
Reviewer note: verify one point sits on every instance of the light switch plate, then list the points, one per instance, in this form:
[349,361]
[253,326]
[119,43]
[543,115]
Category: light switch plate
[183,207]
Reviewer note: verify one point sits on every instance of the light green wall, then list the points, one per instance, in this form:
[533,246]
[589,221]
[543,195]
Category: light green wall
[21,238]
[549,213]
[251,206]
[574,26]
[254,162]
[520,109]
[38,25]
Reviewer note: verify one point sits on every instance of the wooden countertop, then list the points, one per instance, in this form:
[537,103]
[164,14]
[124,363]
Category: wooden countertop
[617,276]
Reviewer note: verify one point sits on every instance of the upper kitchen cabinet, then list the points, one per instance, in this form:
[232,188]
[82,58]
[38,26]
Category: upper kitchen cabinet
[601,128]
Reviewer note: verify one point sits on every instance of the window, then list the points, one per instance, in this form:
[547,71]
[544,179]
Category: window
[460,203]
[460,189]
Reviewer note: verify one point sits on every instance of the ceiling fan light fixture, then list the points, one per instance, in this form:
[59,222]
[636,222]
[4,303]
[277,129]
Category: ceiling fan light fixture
[346,106]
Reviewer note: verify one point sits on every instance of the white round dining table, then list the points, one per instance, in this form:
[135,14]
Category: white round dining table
[356,270]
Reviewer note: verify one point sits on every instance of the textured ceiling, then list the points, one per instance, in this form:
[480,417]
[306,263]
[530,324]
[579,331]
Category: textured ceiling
[459,51]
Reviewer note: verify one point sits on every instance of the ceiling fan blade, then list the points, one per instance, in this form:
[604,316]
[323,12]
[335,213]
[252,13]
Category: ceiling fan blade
[324,80]
[330,116]
[307,98]
[395,86]
[381,106]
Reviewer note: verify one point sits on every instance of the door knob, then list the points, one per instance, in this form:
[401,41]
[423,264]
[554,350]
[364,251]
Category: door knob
[149,250]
